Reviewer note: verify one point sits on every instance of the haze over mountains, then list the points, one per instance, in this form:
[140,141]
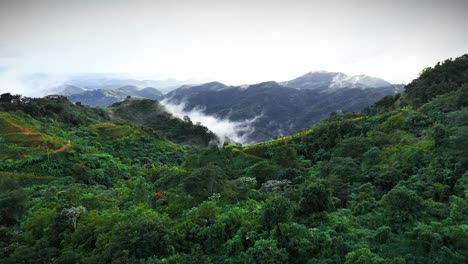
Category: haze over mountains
[110,82]
[103,97]
[255,112]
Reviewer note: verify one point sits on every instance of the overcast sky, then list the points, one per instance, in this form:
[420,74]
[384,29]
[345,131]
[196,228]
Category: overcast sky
[235,42]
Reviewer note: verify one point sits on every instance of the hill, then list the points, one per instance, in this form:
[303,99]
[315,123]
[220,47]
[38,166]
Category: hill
[152,114]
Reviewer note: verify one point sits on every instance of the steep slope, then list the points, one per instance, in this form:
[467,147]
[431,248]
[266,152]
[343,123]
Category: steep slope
[142,112]
[152,114]
[443,77]
[20,138]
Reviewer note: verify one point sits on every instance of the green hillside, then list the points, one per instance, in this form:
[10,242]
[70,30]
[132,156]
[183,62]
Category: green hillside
[151,113]
[389,185]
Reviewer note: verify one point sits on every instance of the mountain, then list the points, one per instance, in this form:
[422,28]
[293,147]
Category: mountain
[82,184]
[275,108]
[323,80]
[103,98]
[114,81]
[67,90]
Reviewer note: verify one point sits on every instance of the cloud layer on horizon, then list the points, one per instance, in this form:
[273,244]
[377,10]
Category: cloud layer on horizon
[234,42]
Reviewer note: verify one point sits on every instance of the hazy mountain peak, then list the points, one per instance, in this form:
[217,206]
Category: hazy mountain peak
[334,80]
[358,81]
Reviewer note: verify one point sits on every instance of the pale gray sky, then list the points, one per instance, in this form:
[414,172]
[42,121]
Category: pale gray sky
[235,42]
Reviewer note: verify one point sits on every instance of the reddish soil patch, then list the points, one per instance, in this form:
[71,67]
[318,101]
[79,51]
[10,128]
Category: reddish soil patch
[26,130]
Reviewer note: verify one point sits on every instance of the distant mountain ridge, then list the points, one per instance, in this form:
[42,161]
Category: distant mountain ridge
[104,98]
[111,82]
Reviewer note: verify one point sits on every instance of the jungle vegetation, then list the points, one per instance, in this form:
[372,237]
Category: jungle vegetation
[128,185]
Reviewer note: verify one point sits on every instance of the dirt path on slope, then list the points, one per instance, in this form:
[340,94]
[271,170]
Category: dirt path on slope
[62,148]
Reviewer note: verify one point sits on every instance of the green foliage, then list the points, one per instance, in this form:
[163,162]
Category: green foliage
[205,181]
[12,201]
[275,211]
[141,238]
[152,114]
[262,172]
[364,256]
[385,186]
[401,206]
[266,251]
[315,198]
[442,78]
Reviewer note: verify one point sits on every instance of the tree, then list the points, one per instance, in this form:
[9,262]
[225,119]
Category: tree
[73,214]
[141,190]
[401,206]
[6,98]
[285,156]
[12,206]
[363,256]
[315,199]
[146,236]
[205,181]
[262,172]
[353,147]
[265,251]
[12,201]
[275,211]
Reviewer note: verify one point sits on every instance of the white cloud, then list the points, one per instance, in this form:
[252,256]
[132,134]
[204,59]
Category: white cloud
[224,128]
[33,85]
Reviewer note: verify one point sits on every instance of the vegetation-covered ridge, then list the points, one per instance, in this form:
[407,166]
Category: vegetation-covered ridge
[388,185]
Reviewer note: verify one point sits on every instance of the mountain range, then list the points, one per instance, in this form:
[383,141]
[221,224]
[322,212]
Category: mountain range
[287,107]
[274,109]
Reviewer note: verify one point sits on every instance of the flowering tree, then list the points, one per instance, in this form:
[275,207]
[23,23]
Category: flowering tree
[73,214]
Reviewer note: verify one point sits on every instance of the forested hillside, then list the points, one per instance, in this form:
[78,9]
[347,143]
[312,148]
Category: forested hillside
[87,185]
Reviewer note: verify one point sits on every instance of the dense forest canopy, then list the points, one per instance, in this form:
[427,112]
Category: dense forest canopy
[132,184]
